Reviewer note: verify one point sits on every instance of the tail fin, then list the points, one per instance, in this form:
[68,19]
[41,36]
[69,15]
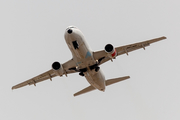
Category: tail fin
[108,82]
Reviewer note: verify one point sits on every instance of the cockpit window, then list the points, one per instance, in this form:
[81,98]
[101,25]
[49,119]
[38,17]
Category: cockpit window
[70,27]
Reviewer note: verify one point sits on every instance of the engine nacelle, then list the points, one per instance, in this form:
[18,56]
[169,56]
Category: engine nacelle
[58,69]
[111,51]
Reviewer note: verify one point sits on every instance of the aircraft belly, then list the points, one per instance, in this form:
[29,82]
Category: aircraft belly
[82,55]
[83,58]
[97,80]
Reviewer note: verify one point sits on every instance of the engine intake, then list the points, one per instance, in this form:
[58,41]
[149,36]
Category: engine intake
[56,65]
[58,69]
[110,50]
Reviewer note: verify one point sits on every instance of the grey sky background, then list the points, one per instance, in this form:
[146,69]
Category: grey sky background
[32,38]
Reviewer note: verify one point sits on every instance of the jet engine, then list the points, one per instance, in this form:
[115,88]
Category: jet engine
[58,69]
[111,51]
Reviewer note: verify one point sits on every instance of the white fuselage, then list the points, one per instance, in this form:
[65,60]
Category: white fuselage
[83,57]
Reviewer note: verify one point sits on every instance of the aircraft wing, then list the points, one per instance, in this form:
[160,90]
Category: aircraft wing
[125,49]
[46,75]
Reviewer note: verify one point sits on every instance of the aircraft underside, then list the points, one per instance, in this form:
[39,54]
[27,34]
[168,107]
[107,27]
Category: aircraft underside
[86,62]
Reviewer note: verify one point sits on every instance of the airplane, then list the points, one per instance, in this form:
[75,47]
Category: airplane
[87,62]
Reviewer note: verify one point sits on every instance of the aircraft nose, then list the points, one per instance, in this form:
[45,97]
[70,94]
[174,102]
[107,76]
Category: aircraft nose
[70,31]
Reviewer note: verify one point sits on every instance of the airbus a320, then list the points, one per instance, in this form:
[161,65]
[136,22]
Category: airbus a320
[87,62]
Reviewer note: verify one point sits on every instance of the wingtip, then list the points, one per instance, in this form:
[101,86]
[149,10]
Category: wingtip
[164,37]
[75,95]
[12,88]
[127,77]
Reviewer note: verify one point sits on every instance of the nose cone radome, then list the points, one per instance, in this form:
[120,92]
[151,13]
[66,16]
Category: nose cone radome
[70,31]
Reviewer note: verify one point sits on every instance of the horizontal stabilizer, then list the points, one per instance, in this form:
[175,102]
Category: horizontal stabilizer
[85,90]
[115,80]
[108,82]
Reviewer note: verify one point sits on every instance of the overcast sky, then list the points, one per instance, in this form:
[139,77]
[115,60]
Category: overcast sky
[32,38]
